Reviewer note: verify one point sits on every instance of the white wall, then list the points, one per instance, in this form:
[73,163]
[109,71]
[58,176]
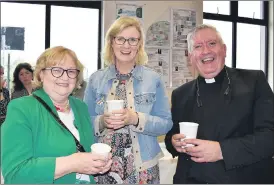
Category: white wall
[270,46]
[152,11]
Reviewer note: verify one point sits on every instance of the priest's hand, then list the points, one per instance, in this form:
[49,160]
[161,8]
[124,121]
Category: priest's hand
[203,150]
[177,143]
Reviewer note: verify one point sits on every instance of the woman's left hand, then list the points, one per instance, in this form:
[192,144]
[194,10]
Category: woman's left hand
[120,118]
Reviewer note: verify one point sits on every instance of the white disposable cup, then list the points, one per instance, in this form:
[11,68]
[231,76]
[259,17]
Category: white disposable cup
[189,129]
[101,149]
[114,105]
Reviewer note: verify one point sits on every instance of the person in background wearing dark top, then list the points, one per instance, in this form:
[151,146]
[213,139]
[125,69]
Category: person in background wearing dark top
[4,97]
[234,110]
[22,80]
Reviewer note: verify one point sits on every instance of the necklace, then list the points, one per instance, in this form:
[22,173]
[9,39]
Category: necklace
[62,109]
[123,77]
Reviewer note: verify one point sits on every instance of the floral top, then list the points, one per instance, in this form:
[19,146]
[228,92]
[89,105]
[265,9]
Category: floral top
[4,104]
[146,94]
[123,170]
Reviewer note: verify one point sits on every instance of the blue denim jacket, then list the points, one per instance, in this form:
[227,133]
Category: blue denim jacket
[149,98]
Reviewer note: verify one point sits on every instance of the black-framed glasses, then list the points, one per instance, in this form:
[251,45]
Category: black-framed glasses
[58,72]
[131,41]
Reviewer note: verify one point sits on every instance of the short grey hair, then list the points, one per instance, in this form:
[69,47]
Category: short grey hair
[193,32]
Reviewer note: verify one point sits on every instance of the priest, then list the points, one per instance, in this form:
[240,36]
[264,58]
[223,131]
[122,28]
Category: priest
[234,110]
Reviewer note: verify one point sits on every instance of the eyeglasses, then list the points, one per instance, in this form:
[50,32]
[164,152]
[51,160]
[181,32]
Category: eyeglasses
[209,44]
[131,41]
[58,72]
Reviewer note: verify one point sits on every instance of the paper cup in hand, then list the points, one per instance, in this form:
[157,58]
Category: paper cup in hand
[189,129]
[115,105]
[101,149]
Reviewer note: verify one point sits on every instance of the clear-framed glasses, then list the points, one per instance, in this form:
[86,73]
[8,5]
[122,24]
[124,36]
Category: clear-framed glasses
[58,72]
[131,41]
[209,44]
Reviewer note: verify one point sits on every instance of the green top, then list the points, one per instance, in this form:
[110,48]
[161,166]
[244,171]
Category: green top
[31,140]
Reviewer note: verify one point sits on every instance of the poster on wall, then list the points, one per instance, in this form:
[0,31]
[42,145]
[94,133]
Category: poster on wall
[158,34]
[158,59]
[133,10]
[183,21]
[182,70]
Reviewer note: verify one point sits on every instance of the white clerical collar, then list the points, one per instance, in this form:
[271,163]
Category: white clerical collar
[209,80]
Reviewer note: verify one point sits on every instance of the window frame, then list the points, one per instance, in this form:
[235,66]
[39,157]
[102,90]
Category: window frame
[77,4]
[235,18]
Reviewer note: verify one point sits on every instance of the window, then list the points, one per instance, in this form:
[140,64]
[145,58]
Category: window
[249,46]
[29,27]
[251,9]
[23,37]
[246,27]
[217,7]
[81,37]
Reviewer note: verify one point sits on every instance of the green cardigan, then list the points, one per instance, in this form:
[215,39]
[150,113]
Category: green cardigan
[31,140]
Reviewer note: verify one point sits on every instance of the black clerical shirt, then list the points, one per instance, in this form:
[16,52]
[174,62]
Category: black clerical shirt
[209,118]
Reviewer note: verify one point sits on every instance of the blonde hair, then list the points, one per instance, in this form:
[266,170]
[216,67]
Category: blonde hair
[193,32]
[118,26]
[53,56]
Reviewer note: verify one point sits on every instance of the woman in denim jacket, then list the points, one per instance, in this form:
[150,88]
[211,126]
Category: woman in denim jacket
[132,133]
